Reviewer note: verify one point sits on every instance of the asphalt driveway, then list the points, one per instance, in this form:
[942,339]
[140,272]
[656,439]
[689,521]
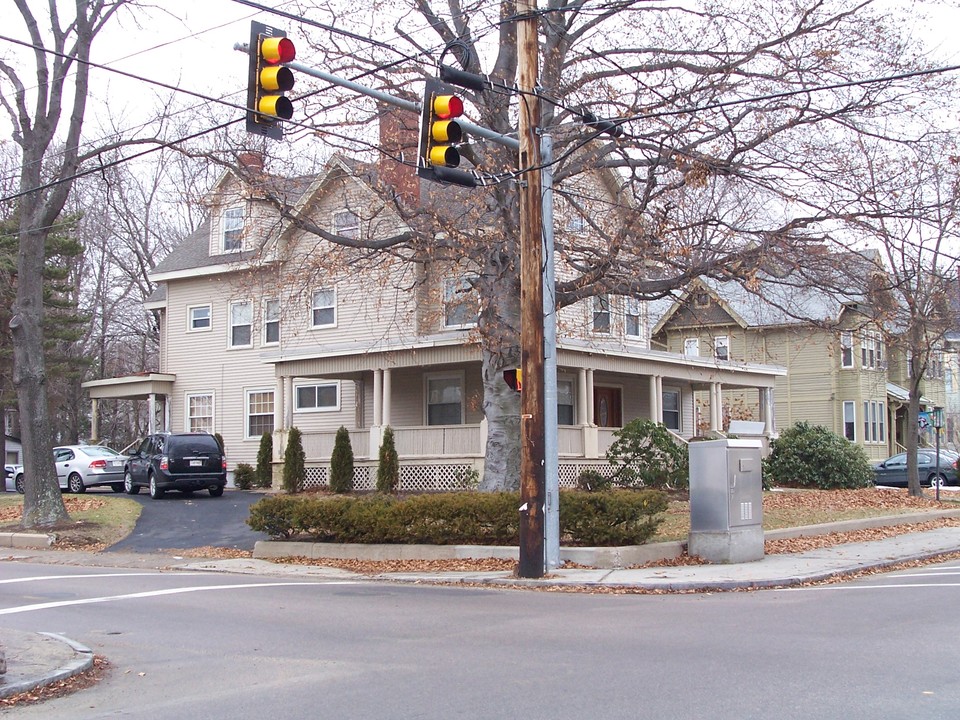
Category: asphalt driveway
[178,522]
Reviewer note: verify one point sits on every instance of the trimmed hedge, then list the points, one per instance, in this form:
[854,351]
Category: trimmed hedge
[621,517]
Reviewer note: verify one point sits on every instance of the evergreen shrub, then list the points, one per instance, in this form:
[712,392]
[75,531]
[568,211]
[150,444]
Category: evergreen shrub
[618,517]
[388,464]
[294,463]
[645,454]
[812,456]
[244,476]
[341,463]
[264,477]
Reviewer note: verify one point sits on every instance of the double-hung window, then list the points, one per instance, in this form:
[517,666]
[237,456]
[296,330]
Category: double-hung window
[849,420]
[460,305]
[200,413]
[445,400]
[671,409]
[346,224]
[232,226]
[259,412]
[601,313]
[633,317]
[691,347]
[324,309]
[271,322]
[565,405]
[721,347]
[241,324]
[846,349]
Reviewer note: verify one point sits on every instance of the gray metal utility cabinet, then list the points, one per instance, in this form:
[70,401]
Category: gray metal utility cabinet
[726,501]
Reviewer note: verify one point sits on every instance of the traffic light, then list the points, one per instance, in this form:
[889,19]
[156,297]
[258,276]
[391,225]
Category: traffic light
[514,379]
[267,80]
[440,133]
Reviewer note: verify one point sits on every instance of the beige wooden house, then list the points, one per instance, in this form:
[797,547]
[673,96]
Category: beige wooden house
[245,349]
[845,379]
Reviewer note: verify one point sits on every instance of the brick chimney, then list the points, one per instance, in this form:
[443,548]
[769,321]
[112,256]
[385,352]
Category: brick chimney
[252,162]
[399,137]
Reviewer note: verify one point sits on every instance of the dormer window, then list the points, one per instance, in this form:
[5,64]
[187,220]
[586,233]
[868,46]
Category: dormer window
[232,226]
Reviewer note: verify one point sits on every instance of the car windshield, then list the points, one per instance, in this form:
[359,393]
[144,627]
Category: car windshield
[100,451]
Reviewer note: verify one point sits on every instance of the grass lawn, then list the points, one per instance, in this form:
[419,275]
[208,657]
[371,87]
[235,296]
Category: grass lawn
[97,520]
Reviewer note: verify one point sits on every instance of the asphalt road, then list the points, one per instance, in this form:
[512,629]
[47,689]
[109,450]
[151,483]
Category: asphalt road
[198,520]
[204,645]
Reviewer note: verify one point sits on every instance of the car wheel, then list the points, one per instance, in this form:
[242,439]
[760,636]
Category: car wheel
[937,481]
[216,491]
[117,487]
[18,483]
[155,492]
[128,485]
[75,484]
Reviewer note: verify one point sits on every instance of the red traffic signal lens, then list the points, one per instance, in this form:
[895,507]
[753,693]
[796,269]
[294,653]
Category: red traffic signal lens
[447,106]
[277,50]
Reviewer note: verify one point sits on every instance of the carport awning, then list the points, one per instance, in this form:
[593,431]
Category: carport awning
[903,395]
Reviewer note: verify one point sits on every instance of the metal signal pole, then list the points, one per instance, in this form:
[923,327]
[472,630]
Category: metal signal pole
[532,423]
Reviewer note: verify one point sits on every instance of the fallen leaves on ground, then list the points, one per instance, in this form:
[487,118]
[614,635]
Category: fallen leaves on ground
[67,686]
[73,505]
[376,567]
[209,552]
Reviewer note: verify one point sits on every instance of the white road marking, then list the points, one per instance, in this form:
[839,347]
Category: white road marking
[156,593]
[80,577]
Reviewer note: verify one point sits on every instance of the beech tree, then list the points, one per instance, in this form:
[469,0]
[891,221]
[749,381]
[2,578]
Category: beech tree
[730,115]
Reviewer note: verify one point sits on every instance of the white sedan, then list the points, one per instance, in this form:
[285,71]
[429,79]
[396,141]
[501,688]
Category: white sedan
[14,478]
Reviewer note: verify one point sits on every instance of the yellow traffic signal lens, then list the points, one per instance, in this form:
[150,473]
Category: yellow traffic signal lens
[447,106]
[445,155]
[277,50]
[446,131]
[276,78]
[277,106]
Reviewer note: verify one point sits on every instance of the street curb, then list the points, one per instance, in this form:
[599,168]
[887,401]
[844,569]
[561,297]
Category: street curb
[81,661]
[25,540]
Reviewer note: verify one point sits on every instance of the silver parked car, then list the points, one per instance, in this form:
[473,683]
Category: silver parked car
[83,466]
[14,478]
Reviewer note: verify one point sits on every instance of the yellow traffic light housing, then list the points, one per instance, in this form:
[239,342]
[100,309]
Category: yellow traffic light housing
[514,378]
[440,133]
[268,80]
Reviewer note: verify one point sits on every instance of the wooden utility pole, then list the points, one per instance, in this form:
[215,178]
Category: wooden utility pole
[532,427]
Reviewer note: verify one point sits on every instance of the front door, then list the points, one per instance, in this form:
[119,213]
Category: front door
[607,407]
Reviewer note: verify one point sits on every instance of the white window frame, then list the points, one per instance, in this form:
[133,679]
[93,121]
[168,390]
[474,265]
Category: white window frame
[233,324]
[346,223]
[299,385]
[577,223]
[248,414]
[270,318]
[601,314]
[633,314]
[189,417]
[192,319]
[850,420]
[679,411]
[573,399]
[846,350]
[430,377]
[691,344]
[458,293]
[314,308]
[231,231]
[721,341]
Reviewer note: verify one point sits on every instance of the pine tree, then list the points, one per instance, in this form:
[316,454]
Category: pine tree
[265,461]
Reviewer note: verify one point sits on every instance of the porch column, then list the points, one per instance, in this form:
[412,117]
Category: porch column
[166,413]
[716,417]
[378,397]
[278,404]
[659,417]
[288,405]
[94,421]
[654,399]
[767,413]
[152,413]
[386,396]
[590,418]
[582,412]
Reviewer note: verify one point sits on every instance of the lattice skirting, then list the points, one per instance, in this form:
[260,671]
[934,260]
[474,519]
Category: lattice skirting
[439,477]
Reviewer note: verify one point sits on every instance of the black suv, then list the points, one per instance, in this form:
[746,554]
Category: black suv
[176,461]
